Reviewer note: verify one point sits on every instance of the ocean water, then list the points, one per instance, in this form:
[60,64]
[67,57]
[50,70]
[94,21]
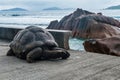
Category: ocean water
[23,19]
[43,18]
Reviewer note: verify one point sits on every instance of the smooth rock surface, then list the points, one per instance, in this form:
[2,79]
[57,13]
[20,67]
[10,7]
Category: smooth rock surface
[110,46]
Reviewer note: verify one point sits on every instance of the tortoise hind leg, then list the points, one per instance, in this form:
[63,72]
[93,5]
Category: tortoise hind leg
[10,53]
[33,55]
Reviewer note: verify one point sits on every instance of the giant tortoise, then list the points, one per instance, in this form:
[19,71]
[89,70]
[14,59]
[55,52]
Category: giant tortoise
[34,43]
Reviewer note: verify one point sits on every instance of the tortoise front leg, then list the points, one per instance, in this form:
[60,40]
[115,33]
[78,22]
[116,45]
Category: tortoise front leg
[33,55]
[55,53]
[65,54]
[10,52]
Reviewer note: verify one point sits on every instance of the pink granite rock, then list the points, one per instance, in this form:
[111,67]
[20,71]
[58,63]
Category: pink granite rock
[110,46]
[85,24]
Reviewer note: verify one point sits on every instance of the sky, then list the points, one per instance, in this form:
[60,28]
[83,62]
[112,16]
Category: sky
[36,5]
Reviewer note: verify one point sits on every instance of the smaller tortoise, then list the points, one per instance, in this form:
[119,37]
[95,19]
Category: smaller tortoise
[34,43]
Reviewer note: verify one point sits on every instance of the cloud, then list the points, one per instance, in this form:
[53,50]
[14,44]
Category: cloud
[30,4]
[40,4]
[88,4]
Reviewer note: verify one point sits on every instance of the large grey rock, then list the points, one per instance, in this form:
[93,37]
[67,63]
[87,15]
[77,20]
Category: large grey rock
[67,21]
[95,26]
[85,24]
[53,24]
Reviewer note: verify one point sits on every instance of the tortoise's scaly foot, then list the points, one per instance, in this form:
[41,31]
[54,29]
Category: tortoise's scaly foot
[10,53]
[34,55]
[65,55]
[56,53]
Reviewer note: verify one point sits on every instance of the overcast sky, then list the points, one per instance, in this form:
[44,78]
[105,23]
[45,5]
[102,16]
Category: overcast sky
[40,4]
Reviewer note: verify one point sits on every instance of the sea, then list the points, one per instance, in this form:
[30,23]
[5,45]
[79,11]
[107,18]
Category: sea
[42,19]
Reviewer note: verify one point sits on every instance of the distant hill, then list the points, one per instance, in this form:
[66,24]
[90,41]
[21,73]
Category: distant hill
[52,8]
[57,8]
[114,7]
[14,9]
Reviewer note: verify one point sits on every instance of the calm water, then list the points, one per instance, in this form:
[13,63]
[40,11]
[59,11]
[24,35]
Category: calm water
[43,18]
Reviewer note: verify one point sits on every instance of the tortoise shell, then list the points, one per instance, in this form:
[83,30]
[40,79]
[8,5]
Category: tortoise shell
[30,38]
